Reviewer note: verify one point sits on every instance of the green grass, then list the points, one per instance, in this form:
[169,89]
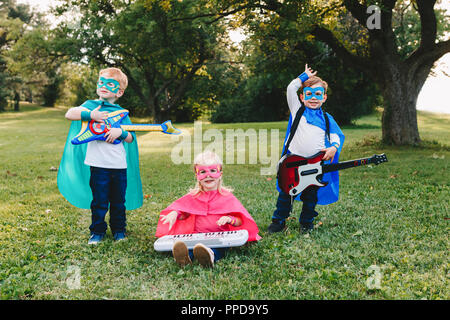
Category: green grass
[393,216]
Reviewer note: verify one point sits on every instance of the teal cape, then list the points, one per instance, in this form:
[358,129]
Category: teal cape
[329,193]
[74,175]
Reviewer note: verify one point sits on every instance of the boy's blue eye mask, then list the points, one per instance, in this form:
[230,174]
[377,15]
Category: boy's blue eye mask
[110,84]
[317,93]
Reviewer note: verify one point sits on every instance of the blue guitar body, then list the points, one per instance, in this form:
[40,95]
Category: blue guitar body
[92,130]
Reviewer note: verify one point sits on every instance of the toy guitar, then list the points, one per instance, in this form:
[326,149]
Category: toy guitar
[211,239]
[92,130]
[296,173]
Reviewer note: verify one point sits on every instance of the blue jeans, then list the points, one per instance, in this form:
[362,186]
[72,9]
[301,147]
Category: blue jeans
[219,253]
[108,191]
[284,206]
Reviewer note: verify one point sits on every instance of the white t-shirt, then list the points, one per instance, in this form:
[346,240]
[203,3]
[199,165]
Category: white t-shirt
[105,155]
[308,139]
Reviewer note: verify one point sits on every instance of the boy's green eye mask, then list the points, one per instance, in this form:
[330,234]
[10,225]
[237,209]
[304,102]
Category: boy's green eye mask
[110,84]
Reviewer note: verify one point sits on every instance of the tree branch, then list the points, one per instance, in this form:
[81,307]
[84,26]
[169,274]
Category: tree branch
[270,5]
[358,11]
[431,55]
[428,23]
[327,37]
[428,50]
[387,33]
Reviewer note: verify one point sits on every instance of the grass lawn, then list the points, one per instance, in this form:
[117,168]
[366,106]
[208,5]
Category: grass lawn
[390,225]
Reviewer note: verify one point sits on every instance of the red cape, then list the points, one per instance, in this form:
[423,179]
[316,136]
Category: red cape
[211,202]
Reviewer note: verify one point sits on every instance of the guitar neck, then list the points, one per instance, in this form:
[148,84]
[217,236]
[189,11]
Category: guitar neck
[346,164]
[141,127]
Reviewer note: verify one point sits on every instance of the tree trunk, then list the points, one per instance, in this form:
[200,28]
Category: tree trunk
[400,86]
[16,101]
[399,121]
[153,109]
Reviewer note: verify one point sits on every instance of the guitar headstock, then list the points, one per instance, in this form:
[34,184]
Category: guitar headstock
[378,158]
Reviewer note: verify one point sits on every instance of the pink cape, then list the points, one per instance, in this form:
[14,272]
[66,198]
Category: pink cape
[211,202]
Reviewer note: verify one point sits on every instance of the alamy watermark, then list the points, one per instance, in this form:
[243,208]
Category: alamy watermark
[73,280]
[374,20]
[233,146]
[375,277]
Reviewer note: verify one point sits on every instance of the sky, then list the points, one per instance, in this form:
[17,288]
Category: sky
[435,94]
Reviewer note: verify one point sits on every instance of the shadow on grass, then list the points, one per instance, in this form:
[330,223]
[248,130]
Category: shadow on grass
[364,126]
[376,142]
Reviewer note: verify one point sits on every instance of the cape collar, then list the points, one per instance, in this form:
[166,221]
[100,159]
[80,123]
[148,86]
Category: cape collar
[315,117]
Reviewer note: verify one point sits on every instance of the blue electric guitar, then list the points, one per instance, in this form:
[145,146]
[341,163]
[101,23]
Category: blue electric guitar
[92,130]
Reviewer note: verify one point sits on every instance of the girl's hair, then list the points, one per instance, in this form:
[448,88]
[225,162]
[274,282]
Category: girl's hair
[208,158]
[115,74]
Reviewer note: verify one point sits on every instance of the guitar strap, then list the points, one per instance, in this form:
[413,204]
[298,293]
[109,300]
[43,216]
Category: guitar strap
[295,124]
[327,126]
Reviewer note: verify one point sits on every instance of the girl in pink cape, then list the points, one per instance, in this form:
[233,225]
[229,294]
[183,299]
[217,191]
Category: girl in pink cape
[208,207]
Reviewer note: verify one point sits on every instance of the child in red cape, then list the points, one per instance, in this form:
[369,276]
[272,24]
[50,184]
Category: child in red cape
[209,207]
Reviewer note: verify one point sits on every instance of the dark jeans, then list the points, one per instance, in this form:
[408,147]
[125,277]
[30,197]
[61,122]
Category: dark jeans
[219,253]
[108,191]
[284,206]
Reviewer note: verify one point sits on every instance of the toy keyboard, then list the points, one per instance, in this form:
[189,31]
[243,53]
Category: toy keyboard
[210,239]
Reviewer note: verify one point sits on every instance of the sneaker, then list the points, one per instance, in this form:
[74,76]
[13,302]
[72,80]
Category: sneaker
[181,254]
[204,255]
[119,236]
[95,238]
[276,226]
[306,227]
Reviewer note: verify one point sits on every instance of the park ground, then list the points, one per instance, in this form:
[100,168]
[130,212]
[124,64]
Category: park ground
[386,238]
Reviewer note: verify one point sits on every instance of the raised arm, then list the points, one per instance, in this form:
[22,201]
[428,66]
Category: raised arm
[292,96]
[291,93]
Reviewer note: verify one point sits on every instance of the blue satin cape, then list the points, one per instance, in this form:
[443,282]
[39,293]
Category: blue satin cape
[329,193]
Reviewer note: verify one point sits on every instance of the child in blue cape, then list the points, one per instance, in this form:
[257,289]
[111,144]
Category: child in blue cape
[309,138]
[101,175]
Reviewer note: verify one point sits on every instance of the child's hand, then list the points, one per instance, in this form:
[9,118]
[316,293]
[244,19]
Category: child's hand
[98,116]
[329,153]
[113,134]
[223,220]
[170,218]
[309,71]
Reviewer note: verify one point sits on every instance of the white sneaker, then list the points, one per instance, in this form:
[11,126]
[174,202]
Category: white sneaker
[204,255]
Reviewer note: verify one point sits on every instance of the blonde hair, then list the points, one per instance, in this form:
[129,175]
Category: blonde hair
[208,158]
[312,81]
[116,74]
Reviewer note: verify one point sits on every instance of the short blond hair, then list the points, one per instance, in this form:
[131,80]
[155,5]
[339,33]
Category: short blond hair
[116,74]
[208,158]
[312,81]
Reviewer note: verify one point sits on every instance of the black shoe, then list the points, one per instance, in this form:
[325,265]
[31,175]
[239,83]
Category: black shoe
[306,227]
[276,226]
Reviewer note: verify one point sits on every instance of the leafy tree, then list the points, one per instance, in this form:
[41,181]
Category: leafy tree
[398,69]
[275,53]
[12,20]
[33,59]
[162,56]
[21,50]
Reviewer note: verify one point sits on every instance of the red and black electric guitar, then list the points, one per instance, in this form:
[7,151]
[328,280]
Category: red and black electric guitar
[296,173]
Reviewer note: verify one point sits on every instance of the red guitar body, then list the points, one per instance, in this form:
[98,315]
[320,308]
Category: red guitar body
[296,173]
